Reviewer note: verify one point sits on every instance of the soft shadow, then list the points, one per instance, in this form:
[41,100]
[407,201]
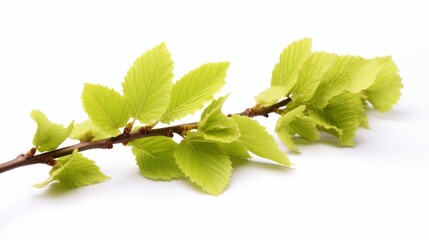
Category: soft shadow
[325,138]
[260,165]
[392,115]
[56,190]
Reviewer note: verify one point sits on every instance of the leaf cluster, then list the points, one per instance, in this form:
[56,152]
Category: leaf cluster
[328,92]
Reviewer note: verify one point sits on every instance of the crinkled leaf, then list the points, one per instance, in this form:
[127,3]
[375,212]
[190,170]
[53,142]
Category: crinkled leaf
[341,117]
[74,171]
[215,126]
[285,72]
[214,107]
[310,75]
[86,131]
[271,95]
[105,107]
[154,156]
[386,90]
[304,127]
[193,90]
[258,141]
[148,84]
[281,127]
[48,135]
[363,73]
[349,73]
[220,128]
[205,163]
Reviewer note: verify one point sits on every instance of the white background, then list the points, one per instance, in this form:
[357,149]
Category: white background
[377,190]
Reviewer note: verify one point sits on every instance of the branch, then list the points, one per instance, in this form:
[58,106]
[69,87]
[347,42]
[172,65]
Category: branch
[49,157]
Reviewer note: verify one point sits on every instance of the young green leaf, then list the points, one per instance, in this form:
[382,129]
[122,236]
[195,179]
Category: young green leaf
[214,107]
[215,126]
[235,150]
[363,73]
[310,75]
[292,58]
[49,135]
[349,73]
[304,127]
[341,117]
[148,84]
[154,156]
[205,163]
[74,171]
[86,131]
[105,107]
[281,127]
[271,95]
[386,90]
[257,140]
[220,128]
[193,90]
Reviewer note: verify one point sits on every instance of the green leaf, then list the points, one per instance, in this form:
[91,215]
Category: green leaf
[193,90]
[86,131]
[304,127]
[235,150]
[154,156]
[271,95]
[215,126]
[148,84]
[285,72]
[105,107]
[205,163]
[257,140]
[363,73]
[310,76]
[74,171]
[341,117]
[49,135]
[281,127]
[386,90]
[220,128]
[214,107]
[349,73]
[322,120]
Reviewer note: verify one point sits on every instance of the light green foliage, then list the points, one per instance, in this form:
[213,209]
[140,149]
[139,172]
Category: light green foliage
[385,91]
[105,107]
[310,75]
[74,171]
[49,135]
[193,90]
[334,89]
[154,156]
[235,150]
[282,124]
[325,92]
[285,72]
[304,127]
[148,84]
[215,126]
[86,131]
[349,73]
[271,95]
[258,141]
[205,163]
[362,74]
[342,116]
